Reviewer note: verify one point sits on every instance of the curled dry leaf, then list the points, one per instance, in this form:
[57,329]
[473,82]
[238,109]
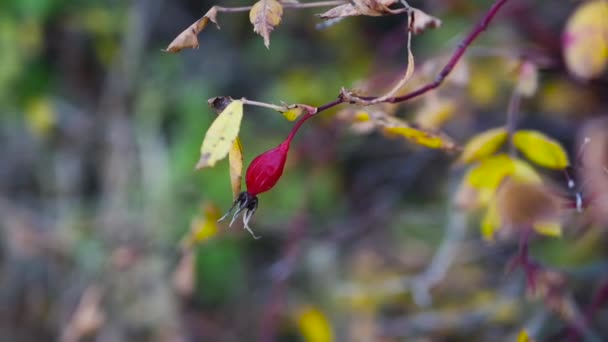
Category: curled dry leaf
[265,15]
[235,161]
[541,149]
[188,38]
[585,40]
[221,135]
[423,21]
[373,8]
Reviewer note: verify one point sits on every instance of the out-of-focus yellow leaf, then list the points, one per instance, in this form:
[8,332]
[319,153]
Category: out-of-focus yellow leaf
[541,149]
[40,116]
[490,172]
[483,145]
[524,172]
[221,135]
[524,337]
[314,325]
[188,38]
[435,113]
[549,228]
[421,137]
[235,162]
[483,86]
[486,176]
[265,15]
[490,222]
[585,40]
[202,228]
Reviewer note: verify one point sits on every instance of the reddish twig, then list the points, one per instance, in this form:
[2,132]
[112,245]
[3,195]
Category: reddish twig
[447,69]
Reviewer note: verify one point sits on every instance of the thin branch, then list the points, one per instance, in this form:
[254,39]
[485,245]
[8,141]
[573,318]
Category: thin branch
[287,5]
[512,118]
[264,104]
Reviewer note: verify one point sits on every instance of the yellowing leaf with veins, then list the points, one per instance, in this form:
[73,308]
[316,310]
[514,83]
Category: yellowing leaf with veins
[549,228]
[188,38]
[541,149]
[265,15]
[585,40]
[483,145]
[314,325]
[221,135]
[235,162]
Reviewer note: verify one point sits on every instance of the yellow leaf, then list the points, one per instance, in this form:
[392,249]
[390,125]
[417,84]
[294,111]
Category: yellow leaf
[265,15]
[202,228]
[435,113]
[418,136]
[293,113]
[585,40]
[483,145]
[541,149]
[523,172]
[314,326]
[524,337]
[221,135]
[549,228]
[188,38]
[490,222]
[40,116]
[490,172]
[235,161]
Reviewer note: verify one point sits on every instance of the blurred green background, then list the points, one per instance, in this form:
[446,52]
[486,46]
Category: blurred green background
[100,131]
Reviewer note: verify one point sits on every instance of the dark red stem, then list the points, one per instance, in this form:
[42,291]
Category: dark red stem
[447,69]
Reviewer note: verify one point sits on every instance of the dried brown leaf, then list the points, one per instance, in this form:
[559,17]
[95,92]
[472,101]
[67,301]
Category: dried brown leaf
[188,38]
[235,160]
[265,15]
[423,21]
[373,8]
